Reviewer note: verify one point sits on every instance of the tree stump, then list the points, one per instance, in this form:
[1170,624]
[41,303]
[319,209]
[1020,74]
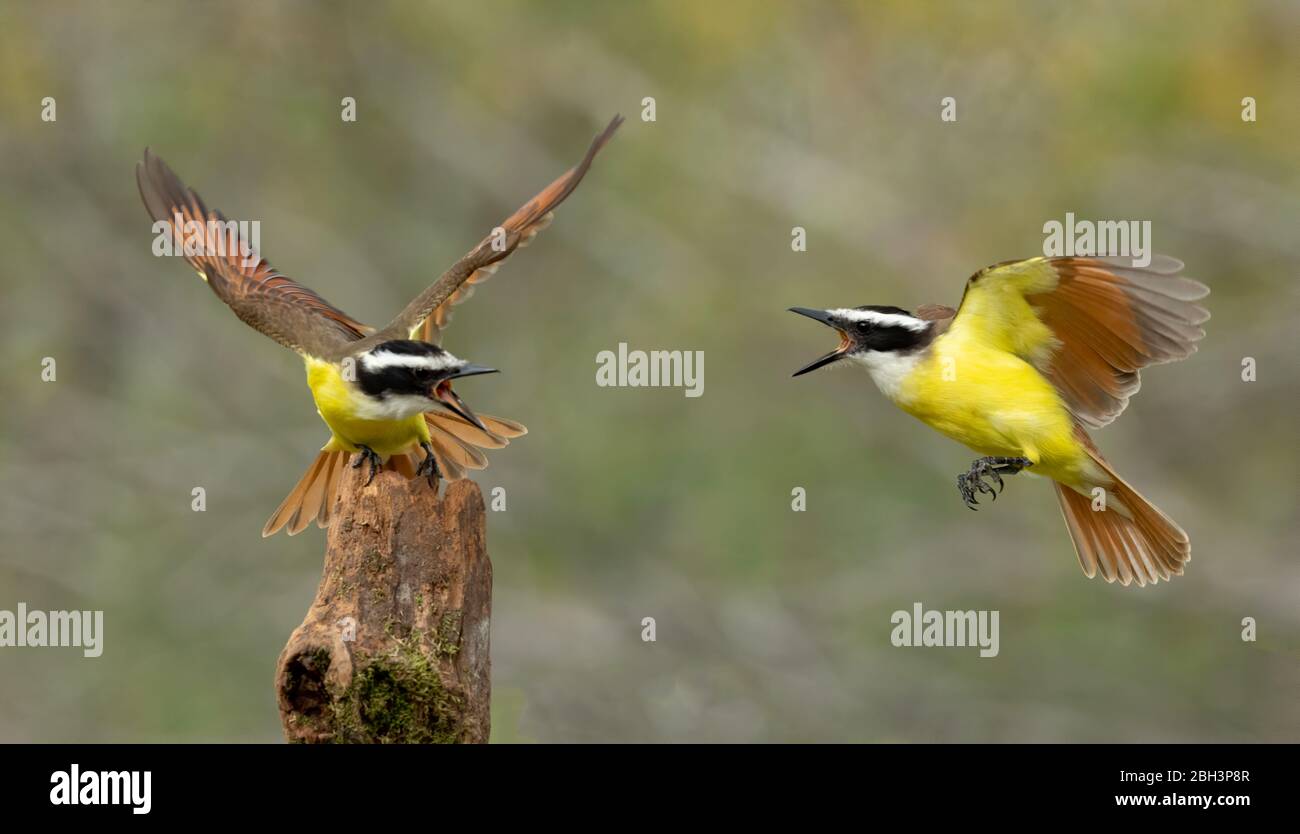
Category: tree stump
[394,649]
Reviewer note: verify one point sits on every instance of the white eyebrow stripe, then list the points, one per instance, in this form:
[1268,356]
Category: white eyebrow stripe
[379,360]
[884,319]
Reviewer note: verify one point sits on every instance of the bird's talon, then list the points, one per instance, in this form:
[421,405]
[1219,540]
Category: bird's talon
[368,455]
[972,482]
[429,465]
[967,491]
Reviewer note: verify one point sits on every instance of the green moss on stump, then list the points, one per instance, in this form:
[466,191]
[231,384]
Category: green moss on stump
[449,633]
[398,698]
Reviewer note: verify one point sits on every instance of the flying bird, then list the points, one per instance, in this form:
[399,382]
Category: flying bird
[385,394]
[1039,352]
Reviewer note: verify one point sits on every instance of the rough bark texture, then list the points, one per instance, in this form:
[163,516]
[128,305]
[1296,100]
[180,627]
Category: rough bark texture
[395,646]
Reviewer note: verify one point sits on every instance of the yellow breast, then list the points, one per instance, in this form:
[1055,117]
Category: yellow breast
[993,402]
[355,420]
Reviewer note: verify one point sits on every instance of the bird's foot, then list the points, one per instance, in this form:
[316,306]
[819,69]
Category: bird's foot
[368,455]
[429,466]
[972,482]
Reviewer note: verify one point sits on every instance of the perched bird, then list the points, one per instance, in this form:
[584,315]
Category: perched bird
[1040,351]
[385,394]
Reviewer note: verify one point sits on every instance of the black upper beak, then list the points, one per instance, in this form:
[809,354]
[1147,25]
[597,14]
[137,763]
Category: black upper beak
[825,318]
[816,315]
[473,370]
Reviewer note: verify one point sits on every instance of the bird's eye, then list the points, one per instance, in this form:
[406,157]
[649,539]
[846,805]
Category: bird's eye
[863,327]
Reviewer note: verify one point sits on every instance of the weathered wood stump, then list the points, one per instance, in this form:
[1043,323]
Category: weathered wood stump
[395,646]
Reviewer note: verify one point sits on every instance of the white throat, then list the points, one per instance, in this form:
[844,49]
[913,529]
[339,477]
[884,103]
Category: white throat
[391,407]
[889,369]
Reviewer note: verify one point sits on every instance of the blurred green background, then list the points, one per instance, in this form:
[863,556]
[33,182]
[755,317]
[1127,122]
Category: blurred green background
[626,503]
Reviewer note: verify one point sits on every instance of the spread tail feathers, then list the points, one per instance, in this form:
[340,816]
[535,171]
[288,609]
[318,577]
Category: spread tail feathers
[1130,540]
[456,444]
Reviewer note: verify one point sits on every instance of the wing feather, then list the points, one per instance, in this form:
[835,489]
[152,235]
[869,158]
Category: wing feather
[425,316]
[268,301]
[1089,324]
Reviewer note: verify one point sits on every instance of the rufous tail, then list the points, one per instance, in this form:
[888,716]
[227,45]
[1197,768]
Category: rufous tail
[457,446]
[1122,534]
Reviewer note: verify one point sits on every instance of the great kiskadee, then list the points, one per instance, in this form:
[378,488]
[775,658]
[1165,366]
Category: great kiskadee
[1038,352]
[385,394]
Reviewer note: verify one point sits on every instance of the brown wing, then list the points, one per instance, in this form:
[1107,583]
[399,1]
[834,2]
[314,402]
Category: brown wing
[1112,320]
[432,327]
[431,309]
[275,305]
[1090,324]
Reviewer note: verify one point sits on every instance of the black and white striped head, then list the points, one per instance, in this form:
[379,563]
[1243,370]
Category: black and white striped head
[868,333]
[404,377]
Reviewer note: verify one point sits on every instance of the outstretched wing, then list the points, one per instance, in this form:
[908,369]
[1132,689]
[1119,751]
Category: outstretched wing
[430,330]
[425,316]
[1089,324]
[279,307]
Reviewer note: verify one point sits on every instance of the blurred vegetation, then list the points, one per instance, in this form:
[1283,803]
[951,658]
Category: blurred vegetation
[627,503]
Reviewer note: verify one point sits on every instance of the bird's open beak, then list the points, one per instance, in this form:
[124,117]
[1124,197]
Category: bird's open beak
[443,394]
[843,348]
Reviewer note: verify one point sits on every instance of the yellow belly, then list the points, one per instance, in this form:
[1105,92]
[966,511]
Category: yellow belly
[338,405]
[997,404]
